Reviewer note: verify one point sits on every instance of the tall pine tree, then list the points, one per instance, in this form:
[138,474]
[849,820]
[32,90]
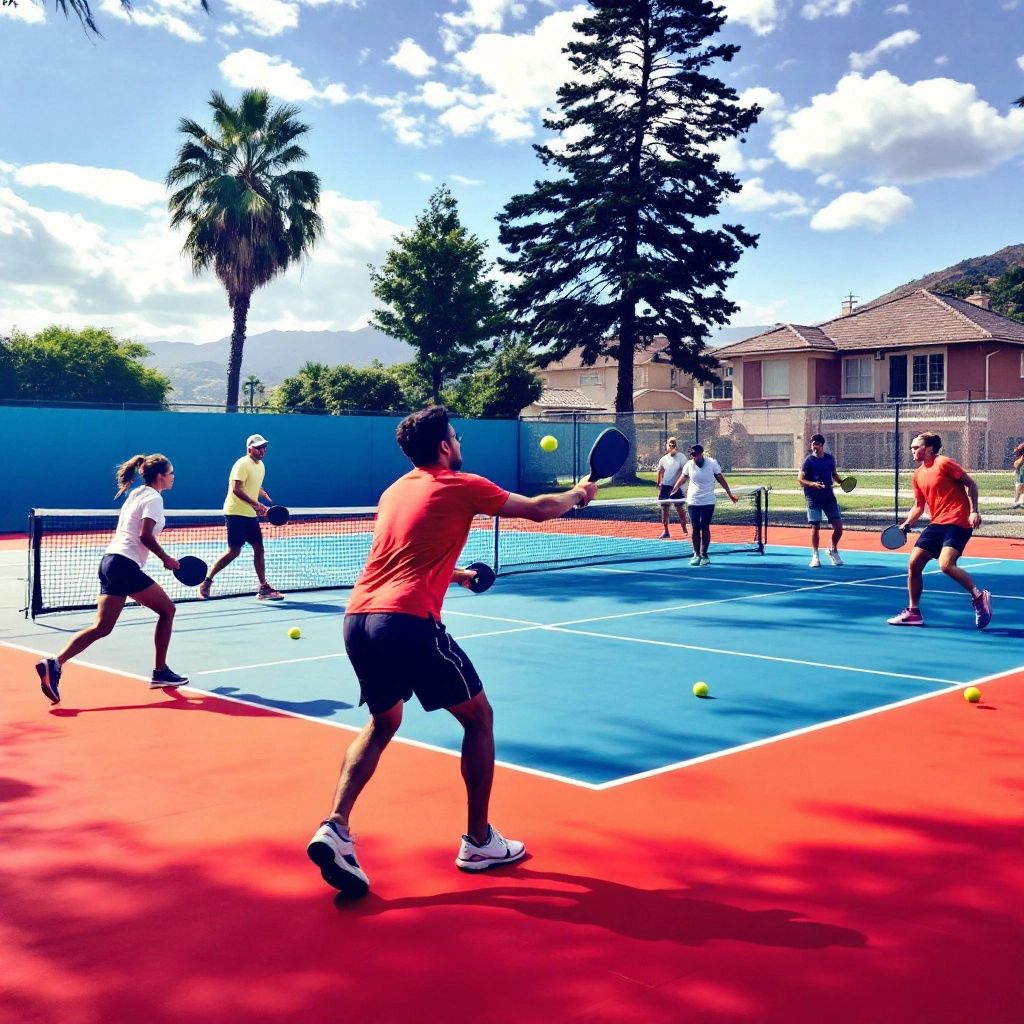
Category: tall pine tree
[621,243]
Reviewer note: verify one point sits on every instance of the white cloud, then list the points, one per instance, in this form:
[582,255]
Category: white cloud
[113,187]
[898,9]
[162,14]
[30,13]
[412,58]
[251,69]
[896,133]
[827,8]
[760,16]
[941,59]
[773,106]
[753,314]
[479,16]
[872,210]
[424,177]
[65,268]
[897,41]
[1020,62]
[755,198]
[264,17]
[464,181]
[828,181]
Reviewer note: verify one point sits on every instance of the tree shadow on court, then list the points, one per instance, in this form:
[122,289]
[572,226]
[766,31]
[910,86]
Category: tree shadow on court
[650,915]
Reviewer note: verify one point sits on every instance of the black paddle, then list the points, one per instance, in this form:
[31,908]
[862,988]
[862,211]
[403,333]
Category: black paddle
[484,578]
[894,537]
[191,571]
[608,454]
[277,515]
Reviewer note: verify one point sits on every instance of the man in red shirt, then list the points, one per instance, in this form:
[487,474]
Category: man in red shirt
[398,646]
[952,499]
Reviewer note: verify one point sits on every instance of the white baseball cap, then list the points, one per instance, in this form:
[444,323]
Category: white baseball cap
[255,441]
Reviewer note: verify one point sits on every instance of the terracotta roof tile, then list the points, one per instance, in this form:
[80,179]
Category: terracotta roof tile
[566,398]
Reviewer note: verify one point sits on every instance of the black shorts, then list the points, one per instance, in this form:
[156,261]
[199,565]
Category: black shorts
[395,656]
[943,535]
[665,494]
[244,530]
[120,576]
[700,516]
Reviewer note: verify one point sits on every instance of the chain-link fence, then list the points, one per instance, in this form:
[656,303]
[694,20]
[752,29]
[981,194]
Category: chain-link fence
[766,446]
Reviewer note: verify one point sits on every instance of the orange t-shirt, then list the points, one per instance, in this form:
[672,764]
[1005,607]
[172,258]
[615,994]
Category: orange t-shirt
[423,520]
[938,486]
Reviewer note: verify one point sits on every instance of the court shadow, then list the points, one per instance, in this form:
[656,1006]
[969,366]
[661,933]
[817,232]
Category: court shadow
[320,708]
[650,915]
[176,701]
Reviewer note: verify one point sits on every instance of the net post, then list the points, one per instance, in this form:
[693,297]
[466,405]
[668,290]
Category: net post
[34,602]
[896,466]
[497,543]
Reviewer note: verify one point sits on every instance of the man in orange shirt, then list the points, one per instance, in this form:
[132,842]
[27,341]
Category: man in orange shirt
[952,499]
[398,646]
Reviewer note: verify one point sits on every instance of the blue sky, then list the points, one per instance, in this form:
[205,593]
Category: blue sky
[888,147]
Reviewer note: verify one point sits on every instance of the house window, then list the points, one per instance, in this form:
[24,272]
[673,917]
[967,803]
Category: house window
[1022,365]
[723,390]
[640,377]
[858,377]
[929,374]
[589,379]
[775,378]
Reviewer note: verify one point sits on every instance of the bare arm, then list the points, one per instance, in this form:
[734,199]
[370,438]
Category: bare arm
[153,544]
[804,482]
[239,493]
[916,512]
[547,506]
[725,483]
[971,487]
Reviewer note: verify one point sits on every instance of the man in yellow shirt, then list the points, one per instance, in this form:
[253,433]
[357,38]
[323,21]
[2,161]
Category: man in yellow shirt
[242,513]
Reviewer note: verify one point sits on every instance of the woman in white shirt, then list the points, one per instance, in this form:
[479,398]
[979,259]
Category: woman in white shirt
[121,575]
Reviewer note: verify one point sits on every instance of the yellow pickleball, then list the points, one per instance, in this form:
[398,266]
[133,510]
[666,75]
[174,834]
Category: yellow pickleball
[294,633]
[972,695]
[548,443]
[700,689]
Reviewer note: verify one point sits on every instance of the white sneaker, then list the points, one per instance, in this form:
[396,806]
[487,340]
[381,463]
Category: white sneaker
[815,562]
[335,856]
[833,556]
[496,851]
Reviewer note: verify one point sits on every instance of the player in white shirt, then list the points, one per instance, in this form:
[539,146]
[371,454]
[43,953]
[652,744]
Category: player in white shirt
[670,468]
[121,575]
[700,474]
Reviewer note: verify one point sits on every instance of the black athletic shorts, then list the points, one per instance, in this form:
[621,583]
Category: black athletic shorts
[937,536]
[120,576]
[665,494]
[244,530]
[395,656]
[700,516]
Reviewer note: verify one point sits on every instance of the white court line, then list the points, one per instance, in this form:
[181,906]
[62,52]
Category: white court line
[804,730]
[756,657]
[270,709]
[681,576]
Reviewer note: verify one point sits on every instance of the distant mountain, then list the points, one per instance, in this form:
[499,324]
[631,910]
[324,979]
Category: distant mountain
[199,371]
[976,268]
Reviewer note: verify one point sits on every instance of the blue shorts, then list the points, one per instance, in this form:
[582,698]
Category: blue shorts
[244,530]
[944,535]
[824,509]
[395,655]
[120,576]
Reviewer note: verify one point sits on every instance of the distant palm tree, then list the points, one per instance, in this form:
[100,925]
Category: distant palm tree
[84,11]
[250,214]
[254,388]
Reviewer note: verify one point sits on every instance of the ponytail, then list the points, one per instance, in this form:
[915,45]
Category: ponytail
[150,467]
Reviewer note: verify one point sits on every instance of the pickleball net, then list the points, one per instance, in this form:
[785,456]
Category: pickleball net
[325,548]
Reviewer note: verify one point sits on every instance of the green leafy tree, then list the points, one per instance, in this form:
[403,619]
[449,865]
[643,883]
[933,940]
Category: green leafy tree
[249,212]
[254,390]
[88,365]
[1008,293]
[504,386]
[438,297]
[83,11]
[612,249]
[372,388]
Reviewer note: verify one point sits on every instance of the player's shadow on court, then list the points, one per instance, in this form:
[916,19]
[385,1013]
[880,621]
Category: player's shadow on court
[196,701]
[314,708]
[650,915]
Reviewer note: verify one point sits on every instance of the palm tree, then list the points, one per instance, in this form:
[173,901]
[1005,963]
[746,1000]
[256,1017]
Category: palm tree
[250,214]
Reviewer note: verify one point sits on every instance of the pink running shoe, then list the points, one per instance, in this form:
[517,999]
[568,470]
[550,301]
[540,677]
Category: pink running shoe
[268,593]
[982,609]
[907,617]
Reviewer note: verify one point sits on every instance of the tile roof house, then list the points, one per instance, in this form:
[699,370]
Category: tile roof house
[657,384]
[920,346]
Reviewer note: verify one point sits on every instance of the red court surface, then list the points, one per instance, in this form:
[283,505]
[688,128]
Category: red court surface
[153,869]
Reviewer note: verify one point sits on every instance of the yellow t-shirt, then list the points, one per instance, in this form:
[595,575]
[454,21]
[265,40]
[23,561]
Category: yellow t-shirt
[251,474]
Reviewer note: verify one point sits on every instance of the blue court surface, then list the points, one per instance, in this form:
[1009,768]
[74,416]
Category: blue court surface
[590,670]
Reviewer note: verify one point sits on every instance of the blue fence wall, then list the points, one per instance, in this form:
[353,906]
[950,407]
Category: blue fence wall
[65,458]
